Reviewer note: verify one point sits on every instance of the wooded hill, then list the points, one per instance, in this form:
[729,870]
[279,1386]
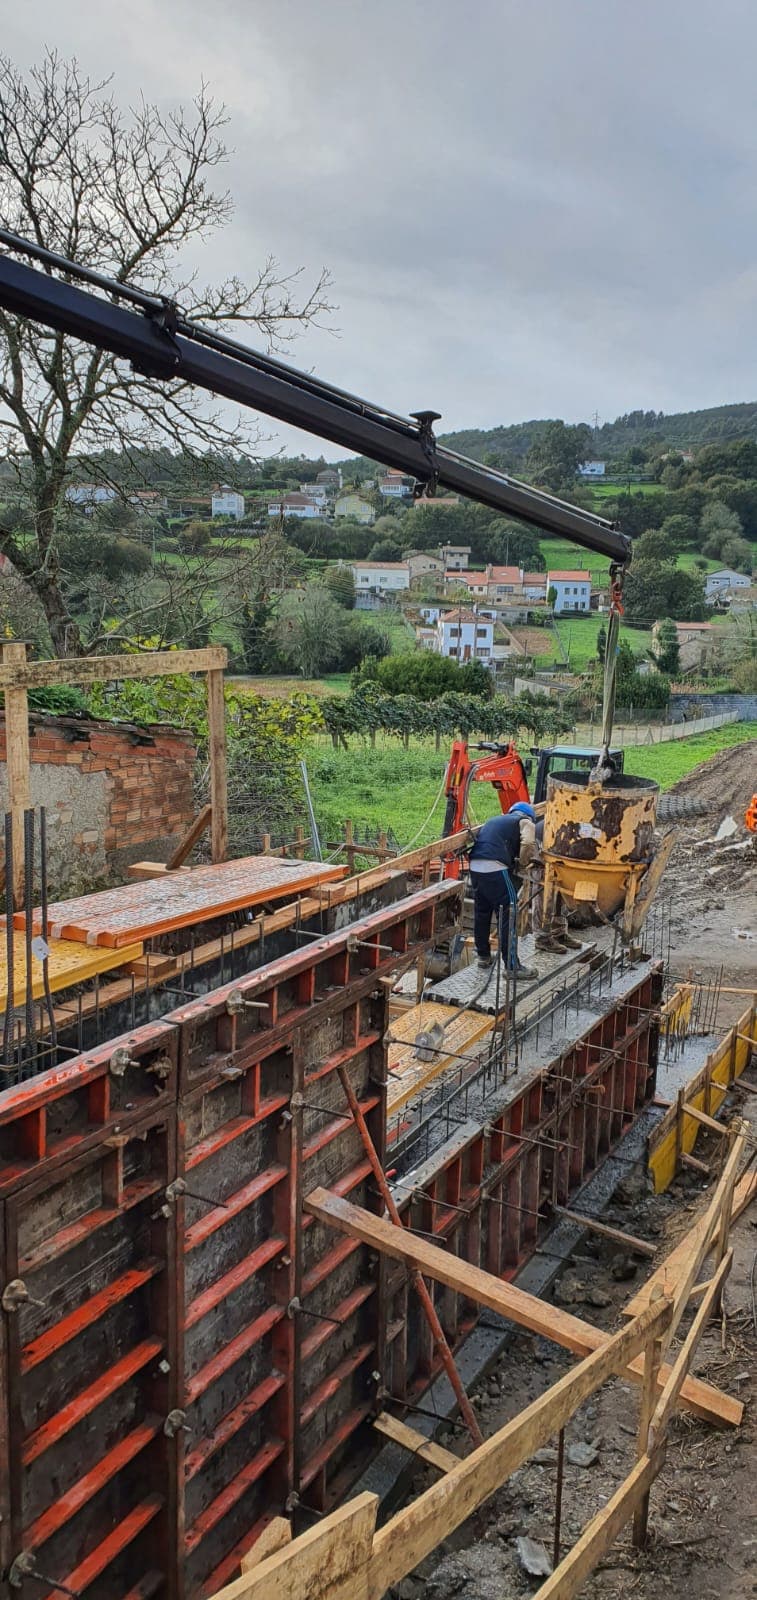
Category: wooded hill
[508,447]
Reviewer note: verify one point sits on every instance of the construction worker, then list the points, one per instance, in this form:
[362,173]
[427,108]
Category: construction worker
[501,851]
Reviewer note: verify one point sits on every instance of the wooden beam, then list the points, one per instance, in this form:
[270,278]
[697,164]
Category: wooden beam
[680,1368]
[276,1534]
[416,1443]
[219,828]
[330,1560]
[640,1247]
[668,1274]
[17,760]
[106,669]
[687,1160]
[524,1309]
[706,1121]
[417,1530]
[187,843]
[568,1579]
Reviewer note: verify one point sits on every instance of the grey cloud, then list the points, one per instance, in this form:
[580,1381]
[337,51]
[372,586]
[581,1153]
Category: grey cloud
[529,207]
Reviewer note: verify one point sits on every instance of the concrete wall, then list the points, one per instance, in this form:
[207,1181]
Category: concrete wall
[114,794]
[712,705]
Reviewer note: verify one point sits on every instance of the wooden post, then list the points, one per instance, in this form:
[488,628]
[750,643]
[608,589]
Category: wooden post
[299,841]
[219,826]
[649,1388]
[383,850]
[17,761]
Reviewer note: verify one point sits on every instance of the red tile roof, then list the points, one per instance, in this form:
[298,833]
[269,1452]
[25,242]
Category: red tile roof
[570,577]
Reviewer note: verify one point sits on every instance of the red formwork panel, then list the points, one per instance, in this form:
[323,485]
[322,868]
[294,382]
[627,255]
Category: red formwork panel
[69,1108]
[490,1197]
[283,1323]
[91,1366]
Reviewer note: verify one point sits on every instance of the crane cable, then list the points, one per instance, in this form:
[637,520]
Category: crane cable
[604,767]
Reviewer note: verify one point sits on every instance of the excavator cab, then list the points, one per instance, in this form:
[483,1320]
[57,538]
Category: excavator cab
[566,761]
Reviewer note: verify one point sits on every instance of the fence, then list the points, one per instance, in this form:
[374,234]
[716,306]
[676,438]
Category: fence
[654,732]
[347,1558]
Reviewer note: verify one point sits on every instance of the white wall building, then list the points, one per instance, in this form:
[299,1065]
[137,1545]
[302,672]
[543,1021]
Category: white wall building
[90,494]
[225,502]
[315,491]
[723,580]
[380,577]
[591,469]
[395,485]
[462,636]
[294,505]
[572,590]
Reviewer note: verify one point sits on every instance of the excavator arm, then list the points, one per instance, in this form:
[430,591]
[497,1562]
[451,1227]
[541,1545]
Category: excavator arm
[503,768]
[159,340]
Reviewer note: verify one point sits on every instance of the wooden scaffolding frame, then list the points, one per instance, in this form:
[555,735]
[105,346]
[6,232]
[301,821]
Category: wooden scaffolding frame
[18,675]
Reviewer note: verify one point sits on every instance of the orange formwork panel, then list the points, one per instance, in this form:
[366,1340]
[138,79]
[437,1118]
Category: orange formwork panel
[117,917]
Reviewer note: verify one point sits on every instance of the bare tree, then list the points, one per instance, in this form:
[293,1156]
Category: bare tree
[125,193]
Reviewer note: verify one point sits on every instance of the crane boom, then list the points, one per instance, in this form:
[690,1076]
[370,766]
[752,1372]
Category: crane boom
[160,341]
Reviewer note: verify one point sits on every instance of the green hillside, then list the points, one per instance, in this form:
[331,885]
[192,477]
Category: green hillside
[509,446]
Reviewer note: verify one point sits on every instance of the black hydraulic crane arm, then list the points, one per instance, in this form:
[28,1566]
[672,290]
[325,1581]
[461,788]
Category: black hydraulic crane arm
[158,340]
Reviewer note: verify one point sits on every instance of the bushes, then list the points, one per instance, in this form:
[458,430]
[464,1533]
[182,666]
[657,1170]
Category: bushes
[427,675]
[368,711]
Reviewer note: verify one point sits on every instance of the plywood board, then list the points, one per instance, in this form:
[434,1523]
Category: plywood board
[118,917]
[69,963]
[461,1030]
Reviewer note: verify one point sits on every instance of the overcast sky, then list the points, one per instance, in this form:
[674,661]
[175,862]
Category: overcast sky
[529,207]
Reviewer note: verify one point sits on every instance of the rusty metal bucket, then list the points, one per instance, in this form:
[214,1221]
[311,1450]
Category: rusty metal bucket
[598,843]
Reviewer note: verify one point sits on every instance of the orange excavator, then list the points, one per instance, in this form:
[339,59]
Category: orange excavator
[502,766]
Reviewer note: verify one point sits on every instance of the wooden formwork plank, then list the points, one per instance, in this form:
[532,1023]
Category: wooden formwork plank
[416,1443]
[410,1072]
[505,1298]
[329,1562]
[416,1531]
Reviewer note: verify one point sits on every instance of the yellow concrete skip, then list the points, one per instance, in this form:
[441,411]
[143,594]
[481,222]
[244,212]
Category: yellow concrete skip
[706,1092]
[69,963]
[461,1030]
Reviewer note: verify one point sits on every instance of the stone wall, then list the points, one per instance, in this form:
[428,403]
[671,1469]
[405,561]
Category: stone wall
[114,793]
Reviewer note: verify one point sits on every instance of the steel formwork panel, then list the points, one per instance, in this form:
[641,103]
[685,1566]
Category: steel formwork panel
[187,1350]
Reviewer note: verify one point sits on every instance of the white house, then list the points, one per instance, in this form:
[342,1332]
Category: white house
[225,502]
[463,636]
[395,485]
[380,577]
[315,491]
[591,469]
[535,585]
[572,590]
[294,505]
[725,578]
[355,506]
[90,494]
[454,556]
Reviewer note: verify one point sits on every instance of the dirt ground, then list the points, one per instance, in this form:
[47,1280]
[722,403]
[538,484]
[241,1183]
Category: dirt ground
[711,887]
[703,1517]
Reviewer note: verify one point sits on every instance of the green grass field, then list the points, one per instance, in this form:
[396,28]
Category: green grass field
[401,789]
[579,639]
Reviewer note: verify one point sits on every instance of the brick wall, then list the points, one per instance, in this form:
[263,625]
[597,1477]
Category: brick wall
[114,794]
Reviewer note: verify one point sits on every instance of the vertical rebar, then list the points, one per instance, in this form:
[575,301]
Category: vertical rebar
[9,949]
[31,1037]
[43,910]
[558,1498]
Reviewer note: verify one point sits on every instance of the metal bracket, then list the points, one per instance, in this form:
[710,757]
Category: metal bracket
[176,1422]
[236,1004]
[120,1060]
[16,1295]
[425,421]
[25,1566]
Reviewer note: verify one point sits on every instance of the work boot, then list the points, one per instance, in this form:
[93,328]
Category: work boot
[547,942]
[485,962]
[569,943]
[525,972]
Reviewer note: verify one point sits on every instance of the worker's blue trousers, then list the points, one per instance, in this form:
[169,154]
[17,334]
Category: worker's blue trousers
[494,893]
